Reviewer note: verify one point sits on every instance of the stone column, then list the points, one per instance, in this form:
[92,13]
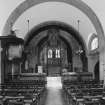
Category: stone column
[102,58]
[102,65]
[90,64]
[0,64]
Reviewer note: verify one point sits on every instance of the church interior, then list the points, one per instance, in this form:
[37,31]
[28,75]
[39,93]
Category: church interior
[53,60]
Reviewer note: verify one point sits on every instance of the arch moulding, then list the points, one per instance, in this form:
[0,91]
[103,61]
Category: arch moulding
[76,3]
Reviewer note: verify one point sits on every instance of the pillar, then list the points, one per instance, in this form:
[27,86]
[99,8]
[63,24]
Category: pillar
[92,60]
[90,64]
[0,63]
[102,65]
[101,42]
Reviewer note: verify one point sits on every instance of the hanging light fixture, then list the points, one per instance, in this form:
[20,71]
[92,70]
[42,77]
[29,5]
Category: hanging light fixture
[79,51]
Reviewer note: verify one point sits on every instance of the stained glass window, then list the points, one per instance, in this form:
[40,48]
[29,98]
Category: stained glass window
[54,53]
[57,53]
[50,53]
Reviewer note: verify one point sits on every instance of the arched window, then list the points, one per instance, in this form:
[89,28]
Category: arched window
[94,43]
[50,53]
[57,53]
[54,53]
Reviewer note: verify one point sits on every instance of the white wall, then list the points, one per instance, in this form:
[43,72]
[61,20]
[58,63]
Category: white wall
[6,7]
[98,6]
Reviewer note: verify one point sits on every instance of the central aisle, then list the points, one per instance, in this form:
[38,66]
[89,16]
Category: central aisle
[54,91]
[54,97]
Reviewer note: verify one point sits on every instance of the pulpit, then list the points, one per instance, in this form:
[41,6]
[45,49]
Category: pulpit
[11,55]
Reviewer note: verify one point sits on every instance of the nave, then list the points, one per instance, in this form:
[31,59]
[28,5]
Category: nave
[52,53]
[54,92]
[54,73]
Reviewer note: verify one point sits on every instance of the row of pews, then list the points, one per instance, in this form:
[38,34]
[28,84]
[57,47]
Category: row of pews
[84,92]
[22,92]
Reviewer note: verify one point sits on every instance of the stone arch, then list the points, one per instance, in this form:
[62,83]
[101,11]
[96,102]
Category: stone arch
[91,38]
[59,24]
[43,38]
[65,27]
[76,3]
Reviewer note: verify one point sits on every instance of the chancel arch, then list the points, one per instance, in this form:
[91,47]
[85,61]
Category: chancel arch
[64,26]
[51,39]
[76,3]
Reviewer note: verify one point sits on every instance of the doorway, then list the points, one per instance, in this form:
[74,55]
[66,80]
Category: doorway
[96,71]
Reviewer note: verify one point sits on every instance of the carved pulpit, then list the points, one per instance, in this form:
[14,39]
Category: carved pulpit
[11,54]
